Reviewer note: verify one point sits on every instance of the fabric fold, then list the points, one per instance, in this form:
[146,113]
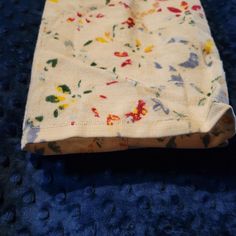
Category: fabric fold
[113,75]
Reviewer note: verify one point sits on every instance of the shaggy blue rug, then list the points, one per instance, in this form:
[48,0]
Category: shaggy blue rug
[139,192]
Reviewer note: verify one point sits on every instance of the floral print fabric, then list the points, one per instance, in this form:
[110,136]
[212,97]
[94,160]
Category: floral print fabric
[110,75]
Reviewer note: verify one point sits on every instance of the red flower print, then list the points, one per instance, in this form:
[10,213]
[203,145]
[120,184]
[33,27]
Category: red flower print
[94,110]
[173,9]
[83,19]
[196,7]
[112,82]
[139,111]
[121,54]
[127,62]
[184,5]
[129,22]
[99,15]
[111,118]
[103,96]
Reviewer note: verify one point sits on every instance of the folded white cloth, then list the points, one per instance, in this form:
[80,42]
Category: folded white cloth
[110,75]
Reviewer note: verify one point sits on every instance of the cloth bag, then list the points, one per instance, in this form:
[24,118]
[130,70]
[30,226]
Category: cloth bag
[111,75]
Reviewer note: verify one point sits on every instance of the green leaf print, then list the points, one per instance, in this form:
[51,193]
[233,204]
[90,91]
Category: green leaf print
[88,42]
[64,89]
[52,99]
[53,62]
[107,1]
[55,113]
[62,107]
[63,100]
[87,91]
[217,78]
[93,64]
[113,30]
[39,118]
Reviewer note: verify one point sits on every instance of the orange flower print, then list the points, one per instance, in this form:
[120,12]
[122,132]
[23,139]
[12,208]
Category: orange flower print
[70,19]
[111,118]
[139,111]
[184,5]
[121,54]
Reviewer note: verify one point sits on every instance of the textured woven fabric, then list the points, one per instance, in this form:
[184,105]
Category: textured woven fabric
[112,75]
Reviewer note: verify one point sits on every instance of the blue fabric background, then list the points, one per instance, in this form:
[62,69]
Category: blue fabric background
[139,192]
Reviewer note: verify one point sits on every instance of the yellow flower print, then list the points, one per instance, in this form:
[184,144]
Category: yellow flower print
[105,39]
[108,35]
[207,50]
[208,46]
[148,48]
[101,40]
[137,43]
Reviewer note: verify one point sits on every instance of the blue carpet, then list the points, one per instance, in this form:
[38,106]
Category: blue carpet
[139,192]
